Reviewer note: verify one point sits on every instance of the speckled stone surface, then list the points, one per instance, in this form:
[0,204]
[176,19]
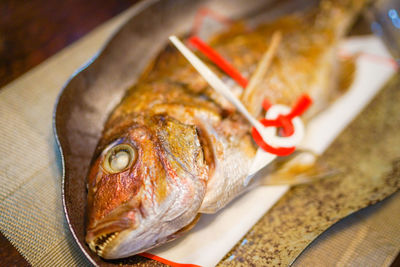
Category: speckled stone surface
[367,154]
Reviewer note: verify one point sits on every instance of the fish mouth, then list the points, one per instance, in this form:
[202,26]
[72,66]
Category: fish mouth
[103,237]
[99,244]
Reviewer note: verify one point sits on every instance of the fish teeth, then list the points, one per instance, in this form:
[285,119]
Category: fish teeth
[101,242]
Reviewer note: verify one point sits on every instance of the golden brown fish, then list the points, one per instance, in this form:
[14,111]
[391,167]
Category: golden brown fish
[173,148]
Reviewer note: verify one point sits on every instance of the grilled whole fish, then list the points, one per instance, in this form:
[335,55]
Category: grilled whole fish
[173,148]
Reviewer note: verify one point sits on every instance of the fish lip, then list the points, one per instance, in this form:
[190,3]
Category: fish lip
[106,228]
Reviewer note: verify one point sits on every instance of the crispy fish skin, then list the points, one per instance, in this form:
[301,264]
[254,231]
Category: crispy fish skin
[173,148]
[160,193]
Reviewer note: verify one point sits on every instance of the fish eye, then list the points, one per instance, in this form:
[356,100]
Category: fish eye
[119,158]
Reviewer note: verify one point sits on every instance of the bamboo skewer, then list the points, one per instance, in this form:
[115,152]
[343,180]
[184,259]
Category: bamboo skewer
[215,82]
[260,72]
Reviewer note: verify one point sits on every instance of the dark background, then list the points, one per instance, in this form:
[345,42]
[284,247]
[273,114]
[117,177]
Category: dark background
[33,30]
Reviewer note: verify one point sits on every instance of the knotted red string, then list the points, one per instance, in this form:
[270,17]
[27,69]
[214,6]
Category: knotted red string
[284,122]
[218,60]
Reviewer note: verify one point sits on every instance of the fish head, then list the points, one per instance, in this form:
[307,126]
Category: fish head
[145,186]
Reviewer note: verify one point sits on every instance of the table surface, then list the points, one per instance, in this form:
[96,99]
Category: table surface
[32,31]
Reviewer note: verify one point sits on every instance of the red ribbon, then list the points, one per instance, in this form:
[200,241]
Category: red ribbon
[284,122]
[165,261]
[218,60]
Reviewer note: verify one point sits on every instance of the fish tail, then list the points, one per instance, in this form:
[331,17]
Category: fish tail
[339,14]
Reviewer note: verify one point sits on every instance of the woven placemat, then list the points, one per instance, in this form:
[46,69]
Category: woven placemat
[30,172]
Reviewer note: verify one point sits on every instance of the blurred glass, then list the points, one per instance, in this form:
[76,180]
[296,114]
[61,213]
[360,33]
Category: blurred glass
[384,18]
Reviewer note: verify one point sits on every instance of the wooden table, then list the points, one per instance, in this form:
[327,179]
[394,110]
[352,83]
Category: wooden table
[32,31]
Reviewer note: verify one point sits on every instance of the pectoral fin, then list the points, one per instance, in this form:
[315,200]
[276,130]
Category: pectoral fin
[299,168]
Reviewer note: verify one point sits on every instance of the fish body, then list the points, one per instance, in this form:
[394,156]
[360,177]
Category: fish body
[173,148]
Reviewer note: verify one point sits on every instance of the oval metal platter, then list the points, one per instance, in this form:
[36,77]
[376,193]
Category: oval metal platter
[89,96]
